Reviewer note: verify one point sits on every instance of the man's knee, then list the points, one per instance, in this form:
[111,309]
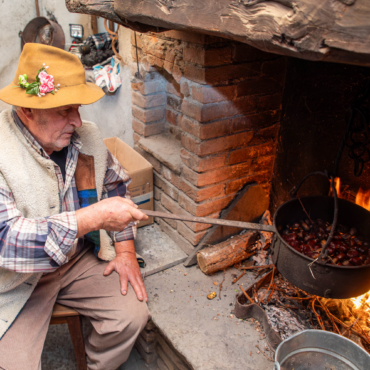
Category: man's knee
[132,315]
[136,319]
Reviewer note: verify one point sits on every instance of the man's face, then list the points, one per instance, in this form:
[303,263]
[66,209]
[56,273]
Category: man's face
[53,128]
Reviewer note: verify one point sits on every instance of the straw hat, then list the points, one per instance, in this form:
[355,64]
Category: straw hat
[62,81]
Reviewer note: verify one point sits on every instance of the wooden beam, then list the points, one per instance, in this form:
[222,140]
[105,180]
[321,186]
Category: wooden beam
[326,30]
[105,9]
[94,24]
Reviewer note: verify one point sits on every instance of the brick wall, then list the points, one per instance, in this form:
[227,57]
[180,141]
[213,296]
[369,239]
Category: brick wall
[222,101]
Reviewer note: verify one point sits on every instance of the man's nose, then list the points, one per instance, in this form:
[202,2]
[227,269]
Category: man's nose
[74,118]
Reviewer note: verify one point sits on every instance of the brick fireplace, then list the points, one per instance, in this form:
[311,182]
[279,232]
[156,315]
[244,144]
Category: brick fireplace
[206,114]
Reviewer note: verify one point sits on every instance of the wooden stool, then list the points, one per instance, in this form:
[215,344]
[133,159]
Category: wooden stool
[65,315]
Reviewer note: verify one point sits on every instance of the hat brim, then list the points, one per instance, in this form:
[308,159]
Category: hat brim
[83,94]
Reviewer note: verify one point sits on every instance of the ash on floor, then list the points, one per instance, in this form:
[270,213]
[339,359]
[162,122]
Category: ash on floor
[284,322]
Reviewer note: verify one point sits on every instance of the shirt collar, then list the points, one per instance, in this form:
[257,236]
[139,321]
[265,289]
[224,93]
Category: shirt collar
[75,138]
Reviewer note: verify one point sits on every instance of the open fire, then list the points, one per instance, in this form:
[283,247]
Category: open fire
[290,310]
[362,198]
[355,311]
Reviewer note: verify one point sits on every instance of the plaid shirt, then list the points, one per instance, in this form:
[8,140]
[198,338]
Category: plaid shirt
[44,244]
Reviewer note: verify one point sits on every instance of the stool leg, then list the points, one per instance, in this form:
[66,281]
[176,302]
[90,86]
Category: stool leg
[75,330]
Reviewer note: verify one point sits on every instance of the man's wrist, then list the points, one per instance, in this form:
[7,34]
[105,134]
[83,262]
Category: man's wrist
[87,220]
[127,247]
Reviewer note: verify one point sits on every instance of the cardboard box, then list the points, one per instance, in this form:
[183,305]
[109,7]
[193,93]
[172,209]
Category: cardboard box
[140,171]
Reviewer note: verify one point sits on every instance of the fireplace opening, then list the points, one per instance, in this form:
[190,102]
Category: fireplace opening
[215,117]
[206,114]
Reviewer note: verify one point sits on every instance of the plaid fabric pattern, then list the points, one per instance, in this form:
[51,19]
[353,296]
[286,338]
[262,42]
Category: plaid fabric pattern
[43,244]
[87,198]
[100,39]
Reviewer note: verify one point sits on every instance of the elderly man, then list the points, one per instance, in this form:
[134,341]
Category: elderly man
[64,212]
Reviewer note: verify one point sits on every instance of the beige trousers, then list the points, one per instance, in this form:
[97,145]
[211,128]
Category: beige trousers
[117,320]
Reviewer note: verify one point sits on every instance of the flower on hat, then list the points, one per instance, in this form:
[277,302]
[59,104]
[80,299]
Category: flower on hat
[47,82]
[23,81]
[44,83]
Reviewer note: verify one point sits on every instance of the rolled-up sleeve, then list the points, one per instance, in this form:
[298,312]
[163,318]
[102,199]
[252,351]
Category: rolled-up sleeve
[33,245]
[116,184]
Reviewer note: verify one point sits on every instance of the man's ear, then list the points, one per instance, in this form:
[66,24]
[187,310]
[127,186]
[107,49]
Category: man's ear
[28,113]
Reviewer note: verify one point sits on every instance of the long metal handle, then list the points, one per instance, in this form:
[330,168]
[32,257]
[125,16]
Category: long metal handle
[212,221]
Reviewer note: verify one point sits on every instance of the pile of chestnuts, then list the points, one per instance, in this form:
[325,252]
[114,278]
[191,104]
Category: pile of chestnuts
[347,247]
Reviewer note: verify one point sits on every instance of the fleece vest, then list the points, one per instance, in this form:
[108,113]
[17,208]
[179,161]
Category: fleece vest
[32,180]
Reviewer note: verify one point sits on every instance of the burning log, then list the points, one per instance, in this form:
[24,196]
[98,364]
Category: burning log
[227,253]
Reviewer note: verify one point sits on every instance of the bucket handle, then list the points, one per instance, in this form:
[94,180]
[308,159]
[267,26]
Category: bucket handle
[323,257]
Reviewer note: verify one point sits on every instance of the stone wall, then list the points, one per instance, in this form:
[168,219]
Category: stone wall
[219,102]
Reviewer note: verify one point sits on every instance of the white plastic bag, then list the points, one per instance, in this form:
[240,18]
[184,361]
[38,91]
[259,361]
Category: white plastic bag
[107,76]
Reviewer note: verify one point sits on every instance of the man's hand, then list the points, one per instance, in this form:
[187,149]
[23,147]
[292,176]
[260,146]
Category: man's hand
[127,267]
[112,214]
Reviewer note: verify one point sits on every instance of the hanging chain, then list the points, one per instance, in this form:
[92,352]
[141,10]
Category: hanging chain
[137,74]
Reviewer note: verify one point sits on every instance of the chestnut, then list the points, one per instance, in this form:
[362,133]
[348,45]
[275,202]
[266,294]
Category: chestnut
[312,243]
[290,237]
[313,255]
[310,236]
[295,244]
[334,260]
[352,253]
[342,249]
[341,256]
[331,249]
[305,226]
[355,261]
[306,249]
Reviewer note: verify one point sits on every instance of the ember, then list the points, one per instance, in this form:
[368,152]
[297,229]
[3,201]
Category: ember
[290,310]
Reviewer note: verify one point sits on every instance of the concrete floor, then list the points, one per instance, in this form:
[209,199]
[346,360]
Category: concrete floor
[204,331]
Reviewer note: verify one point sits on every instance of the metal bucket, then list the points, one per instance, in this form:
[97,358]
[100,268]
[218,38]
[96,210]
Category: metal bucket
[320,350]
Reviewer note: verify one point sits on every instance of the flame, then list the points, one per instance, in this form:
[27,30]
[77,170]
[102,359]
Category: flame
[363,301]
[363,198]
[337,186]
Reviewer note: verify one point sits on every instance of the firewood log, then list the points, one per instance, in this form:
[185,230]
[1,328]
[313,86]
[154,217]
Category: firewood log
[222,255]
